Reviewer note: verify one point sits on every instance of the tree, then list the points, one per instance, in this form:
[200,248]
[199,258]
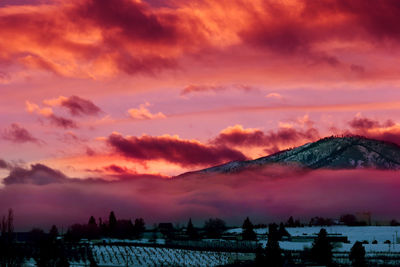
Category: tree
[282,231]
[92,230]
[248,230]
[53,233]
[47,251]
[191,231]
[290,222]
[273,252]
[214,227]
[139,227]
[11,254]
[112,223]
[92,221]
[321,251]
[357,255]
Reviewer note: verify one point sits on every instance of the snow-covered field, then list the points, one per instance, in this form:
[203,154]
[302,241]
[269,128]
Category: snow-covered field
[362,233]
[112,255]
[354,233]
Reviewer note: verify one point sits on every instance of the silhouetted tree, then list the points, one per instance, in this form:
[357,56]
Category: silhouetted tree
[248,230]
[10,253]
[53,233]
[191,231]
[273,253]
[321,250]
[112,223]
[92,230]
[394,223]
[75,233]
[290,222]
[282,231]
[92,221]
[357,255]
[214,227]
[139,227]
[47,251]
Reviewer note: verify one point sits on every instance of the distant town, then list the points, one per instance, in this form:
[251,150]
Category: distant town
[350,240]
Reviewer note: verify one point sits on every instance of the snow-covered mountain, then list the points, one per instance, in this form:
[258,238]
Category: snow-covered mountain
[348,152]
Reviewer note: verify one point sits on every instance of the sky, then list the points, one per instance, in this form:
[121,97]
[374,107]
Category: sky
[110,91]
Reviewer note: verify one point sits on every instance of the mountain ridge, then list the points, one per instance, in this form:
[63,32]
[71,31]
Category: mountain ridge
[334,152]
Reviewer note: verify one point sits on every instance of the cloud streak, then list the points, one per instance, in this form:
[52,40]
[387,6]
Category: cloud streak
[172,149]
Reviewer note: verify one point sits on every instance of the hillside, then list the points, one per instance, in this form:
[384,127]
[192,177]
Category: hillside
[348,152]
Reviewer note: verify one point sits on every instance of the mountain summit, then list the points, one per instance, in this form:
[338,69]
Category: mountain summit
[349,152]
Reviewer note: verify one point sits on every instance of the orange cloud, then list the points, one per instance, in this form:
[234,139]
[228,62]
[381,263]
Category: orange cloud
[142,113]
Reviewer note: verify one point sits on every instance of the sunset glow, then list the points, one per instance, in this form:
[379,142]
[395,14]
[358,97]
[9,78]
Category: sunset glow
[117,91]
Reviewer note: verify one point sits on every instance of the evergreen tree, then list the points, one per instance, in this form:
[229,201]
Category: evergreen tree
[290,222]
[321,250]
[214,228]
[248,230]
[112,223]
[139,227]
[273,253]
[92,221]
[357,255]
[282,231]
[92,230]
[53,233]
[191,231]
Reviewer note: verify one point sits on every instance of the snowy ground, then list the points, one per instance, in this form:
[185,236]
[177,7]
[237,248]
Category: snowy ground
[112,255]
[362,233]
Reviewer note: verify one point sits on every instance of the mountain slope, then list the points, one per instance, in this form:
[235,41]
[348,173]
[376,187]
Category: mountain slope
[348,152]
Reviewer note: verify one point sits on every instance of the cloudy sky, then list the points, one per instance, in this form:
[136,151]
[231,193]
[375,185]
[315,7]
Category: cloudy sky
[116,89]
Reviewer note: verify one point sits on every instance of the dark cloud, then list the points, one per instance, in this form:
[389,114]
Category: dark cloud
[38,174]
[18,134]
[116,168]
[134,20]
[62,122]
[4,164]
[378,20]
[385,131]
[78,106]
[173,150]
[366,123]
[237,136]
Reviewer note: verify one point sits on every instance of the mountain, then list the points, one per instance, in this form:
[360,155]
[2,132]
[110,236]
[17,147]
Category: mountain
[349,152]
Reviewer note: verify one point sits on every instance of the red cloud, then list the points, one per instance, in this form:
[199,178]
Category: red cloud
[366,123]
[95,38]
[172,149]
[237,136]
[62,122]
[17,134]
[76,105]
[387,131]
